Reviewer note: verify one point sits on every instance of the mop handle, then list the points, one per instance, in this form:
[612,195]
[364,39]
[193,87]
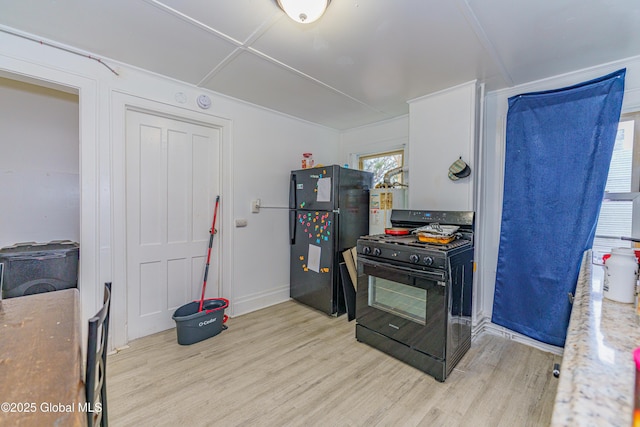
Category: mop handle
[206,268]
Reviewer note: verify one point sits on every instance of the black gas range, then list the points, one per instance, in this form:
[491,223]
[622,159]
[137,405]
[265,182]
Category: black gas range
[414,298]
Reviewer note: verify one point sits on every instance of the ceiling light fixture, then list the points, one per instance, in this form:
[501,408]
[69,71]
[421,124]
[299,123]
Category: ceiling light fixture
[304,11]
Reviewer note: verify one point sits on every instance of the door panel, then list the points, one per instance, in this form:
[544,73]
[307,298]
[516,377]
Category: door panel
[178,206]
[149,186]
[177,270]
[172,182]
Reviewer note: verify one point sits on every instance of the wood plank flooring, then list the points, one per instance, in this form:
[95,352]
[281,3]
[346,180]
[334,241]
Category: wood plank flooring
[289,365]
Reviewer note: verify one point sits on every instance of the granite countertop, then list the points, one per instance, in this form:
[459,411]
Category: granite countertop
[597,376]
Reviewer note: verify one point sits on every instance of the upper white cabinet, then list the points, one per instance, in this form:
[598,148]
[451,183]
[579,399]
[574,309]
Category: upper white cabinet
[442,128]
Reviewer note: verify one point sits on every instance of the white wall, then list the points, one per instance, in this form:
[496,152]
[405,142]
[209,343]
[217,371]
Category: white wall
[383,136]
[266,148]
[496,105]
[260,147]
[39,164]
[442,128]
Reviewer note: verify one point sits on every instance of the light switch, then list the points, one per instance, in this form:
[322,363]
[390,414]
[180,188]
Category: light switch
[241,222]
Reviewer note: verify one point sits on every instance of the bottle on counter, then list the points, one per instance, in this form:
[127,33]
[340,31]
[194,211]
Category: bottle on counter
[620,275]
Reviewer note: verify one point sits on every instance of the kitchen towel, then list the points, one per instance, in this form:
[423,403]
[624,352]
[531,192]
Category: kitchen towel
[558,150]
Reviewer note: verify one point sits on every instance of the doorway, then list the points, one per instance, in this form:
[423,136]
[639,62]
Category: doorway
[172,179]
[40,163]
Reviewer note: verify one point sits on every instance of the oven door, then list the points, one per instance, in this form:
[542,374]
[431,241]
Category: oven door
[406,305]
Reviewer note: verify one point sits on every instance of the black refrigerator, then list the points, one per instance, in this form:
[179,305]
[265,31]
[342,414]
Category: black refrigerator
[328,212]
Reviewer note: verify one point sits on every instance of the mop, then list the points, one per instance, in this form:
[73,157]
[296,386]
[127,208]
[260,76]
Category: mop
[206,268]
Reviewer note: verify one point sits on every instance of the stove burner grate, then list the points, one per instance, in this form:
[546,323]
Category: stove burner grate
[412,241]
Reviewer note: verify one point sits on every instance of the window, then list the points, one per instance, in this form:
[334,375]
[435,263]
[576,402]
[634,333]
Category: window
[381,163]
[620,212]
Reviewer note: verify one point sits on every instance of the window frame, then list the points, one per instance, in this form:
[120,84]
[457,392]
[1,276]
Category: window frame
[633,195]
[396,152]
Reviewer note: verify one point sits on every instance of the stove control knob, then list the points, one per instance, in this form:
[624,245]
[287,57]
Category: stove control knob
[414,258]
[376,251]
[428,260]
[366,250]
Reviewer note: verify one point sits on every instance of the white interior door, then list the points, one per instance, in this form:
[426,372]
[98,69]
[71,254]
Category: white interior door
[172,179]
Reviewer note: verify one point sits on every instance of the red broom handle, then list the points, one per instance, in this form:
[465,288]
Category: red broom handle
[206,268]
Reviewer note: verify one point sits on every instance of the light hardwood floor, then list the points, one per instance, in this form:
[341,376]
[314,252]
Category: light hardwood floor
[289,365]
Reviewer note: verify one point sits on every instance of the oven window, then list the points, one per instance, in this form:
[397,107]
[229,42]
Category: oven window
[397,298]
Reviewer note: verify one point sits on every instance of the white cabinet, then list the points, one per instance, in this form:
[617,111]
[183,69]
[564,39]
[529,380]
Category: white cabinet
[443,127]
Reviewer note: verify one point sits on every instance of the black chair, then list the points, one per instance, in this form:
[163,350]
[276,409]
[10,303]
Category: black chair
[96,378]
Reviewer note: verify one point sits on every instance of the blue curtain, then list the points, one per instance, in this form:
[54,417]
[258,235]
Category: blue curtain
[558,150]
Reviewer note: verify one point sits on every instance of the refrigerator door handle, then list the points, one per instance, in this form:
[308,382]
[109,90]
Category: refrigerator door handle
[292,227]
[292,192]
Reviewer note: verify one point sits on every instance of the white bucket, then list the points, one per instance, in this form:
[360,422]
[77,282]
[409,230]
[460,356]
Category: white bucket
[620,275]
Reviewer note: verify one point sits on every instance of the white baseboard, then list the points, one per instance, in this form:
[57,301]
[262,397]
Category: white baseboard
[485,325]
[260,300]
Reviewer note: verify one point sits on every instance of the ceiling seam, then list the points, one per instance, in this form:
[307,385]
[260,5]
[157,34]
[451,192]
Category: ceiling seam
[308,77]
[215,70]
[477,28]
[262,28]
[246,46]
[255,35]
[193,21]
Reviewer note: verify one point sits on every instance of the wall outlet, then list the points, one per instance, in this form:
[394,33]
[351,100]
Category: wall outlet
[255,206]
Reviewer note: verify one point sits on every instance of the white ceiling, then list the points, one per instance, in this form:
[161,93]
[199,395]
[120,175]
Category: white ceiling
[360,63]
